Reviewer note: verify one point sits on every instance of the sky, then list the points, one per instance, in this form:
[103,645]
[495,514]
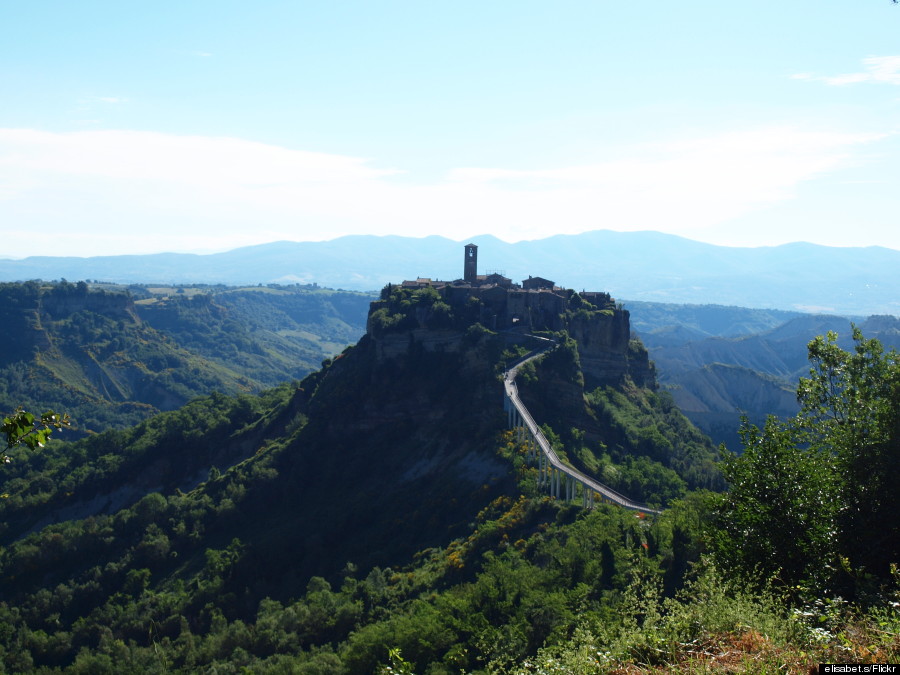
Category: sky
[201,126]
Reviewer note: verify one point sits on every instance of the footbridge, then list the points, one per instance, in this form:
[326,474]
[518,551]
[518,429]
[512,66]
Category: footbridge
[561,480]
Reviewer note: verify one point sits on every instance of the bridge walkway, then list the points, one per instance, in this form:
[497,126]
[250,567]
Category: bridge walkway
[563,481]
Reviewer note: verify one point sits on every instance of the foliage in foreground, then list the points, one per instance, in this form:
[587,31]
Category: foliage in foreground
[813,502]
[534,587]
[23,428]
[715,624]
[528,573]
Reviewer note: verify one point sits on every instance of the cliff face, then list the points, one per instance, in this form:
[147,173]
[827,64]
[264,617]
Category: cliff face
[395,345]
[65,300]
[606,349]
[442,320]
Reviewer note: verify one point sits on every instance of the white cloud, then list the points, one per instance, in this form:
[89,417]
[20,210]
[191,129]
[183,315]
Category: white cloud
[877,69]
[691,184]
[96,192]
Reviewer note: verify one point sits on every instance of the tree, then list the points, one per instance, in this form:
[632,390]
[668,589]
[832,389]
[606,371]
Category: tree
[777,519]
[813,501]
[851,410]
[22,428]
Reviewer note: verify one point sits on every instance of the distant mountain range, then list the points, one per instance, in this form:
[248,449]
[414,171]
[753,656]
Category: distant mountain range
[647,266]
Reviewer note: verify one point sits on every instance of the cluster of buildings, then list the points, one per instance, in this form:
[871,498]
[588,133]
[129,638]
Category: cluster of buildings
[535,304]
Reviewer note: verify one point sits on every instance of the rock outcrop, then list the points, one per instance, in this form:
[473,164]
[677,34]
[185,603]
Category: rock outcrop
[443,318]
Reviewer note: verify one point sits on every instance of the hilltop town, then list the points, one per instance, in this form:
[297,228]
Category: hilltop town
[432,312]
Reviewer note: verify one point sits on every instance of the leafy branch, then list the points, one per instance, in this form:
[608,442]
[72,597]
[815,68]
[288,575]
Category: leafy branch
[23,428]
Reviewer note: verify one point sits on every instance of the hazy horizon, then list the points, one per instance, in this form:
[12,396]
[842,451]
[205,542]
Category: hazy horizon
[425,236]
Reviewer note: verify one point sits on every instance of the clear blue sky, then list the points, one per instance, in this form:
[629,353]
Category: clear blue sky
[204,126]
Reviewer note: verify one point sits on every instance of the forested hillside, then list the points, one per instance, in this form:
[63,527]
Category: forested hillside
[112,356]
[378,517]
[279,516]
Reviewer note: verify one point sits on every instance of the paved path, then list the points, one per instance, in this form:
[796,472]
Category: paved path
[561,477]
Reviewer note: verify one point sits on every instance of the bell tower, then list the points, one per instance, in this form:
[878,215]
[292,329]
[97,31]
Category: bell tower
[470,271]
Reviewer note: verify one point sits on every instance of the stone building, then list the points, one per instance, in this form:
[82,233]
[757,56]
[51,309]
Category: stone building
[592,318]
[535,304]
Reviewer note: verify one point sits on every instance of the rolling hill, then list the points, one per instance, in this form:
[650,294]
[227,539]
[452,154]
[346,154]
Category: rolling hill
[112,357]
[722,362]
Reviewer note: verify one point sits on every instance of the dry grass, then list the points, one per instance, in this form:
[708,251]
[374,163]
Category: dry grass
[752,652]
[747,652]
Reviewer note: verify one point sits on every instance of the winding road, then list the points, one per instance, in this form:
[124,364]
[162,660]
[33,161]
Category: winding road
[561,479]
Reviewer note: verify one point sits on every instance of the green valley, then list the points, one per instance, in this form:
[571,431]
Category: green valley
[112,356]
[379,516]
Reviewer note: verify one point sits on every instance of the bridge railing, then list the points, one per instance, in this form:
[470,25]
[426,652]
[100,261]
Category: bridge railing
[512,396]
